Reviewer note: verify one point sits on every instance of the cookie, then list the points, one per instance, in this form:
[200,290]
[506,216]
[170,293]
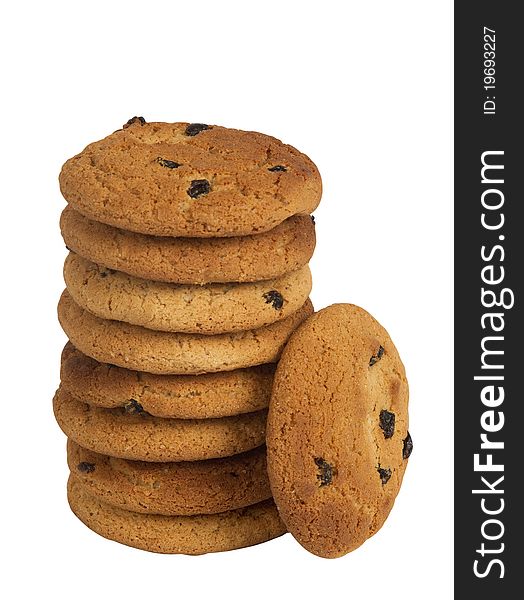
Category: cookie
[197,534]
[205,396]
[211,309]
[287,247]
[337,433]
[192,180]
[174,488]
[163,352]
[133,434]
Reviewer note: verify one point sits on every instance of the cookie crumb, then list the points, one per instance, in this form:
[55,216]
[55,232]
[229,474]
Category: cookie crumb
[387,423]
[326,472]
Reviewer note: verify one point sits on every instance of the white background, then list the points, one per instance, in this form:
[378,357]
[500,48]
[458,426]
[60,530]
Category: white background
[364,88]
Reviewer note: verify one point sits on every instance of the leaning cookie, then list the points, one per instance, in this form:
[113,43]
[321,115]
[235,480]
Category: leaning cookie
[205,396]
[196,534]
[174,488]
[286,248]
[337,433]
[210,309]
[162,352]
[192,180]
[133,434]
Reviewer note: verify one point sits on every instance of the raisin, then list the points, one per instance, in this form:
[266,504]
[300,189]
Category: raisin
[68,248]
[387,423]
[170,164]
[385,474]
[407,449]
[277,168]
[134,120]
[274,298]
[312,218]
[326,472]
[376,357]
[195,128]
[85,467]
[133,407]
[198,188]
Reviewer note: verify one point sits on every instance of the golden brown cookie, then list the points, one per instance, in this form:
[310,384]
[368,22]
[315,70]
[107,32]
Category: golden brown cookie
[337,433]
[133,434]
[197,534]
[208,309]
[287,247]
[205,396]
[163,352]
[173,488]
[193,180]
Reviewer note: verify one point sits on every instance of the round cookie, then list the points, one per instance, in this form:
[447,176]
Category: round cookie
[135,435]
[192,180]
[287,247]
[197,534]
[211,309]
[174,488]
[337,433]
[163,352]
[205,396]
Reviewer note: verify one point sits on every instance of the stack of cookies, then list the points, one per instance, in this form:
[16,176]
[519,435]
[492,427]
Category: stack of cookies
[187,273]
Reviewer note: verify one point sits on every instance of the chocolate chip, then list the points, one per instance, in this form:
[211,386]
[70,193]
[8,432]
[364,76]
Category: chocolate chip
[274,298]
[376,357]
[85,467]
[277,168]
[133,407]
[385,474]
[407,449]
[326,472]
[312,218]
[387,423]
[68,248]
[106,272]
[169,164]
[134,120]
[198,188]
[195,128]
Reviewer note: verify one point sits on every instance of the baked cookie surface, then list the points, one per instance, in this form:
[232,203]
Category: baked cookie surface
[161,352]
[193,180]
[205,396]
[210,309]
[173,488]
[133,434]
[197,534]
[337,433]
[287,247]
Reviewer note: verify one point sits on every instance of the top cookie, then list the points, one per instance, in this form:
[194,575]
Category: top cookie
[192,180]
[337,430]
